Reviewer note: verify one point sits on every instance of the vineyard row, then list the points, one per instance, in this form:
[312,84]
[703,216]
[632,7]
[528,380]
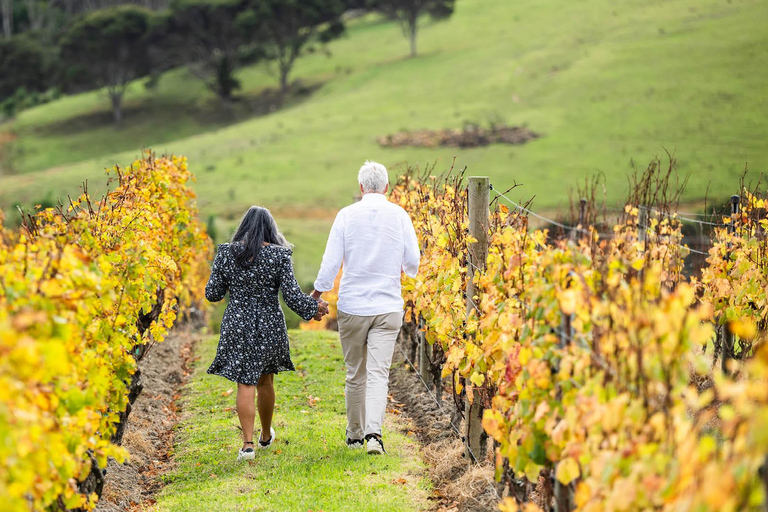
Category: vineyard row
[607,377]
[85,289]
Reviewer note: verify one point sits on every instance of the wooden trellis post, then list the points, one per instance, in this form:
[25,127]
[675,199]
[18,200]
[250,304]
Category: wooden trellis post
[477,252]
[424,369]
[579,233]
[727,335]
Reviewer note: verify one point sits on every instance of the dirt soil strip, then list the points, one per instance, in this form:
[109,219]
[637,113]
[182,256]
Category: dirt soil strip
[459,486]
[149,436]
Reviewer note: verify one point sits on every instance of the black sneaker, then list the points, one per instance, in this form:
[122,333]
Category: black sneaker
[375,445]
[354,443]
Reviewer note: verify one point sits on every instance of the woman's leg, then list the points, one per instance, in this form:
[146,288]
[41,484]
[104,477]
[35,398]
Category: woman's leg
[266,403]
[246,411]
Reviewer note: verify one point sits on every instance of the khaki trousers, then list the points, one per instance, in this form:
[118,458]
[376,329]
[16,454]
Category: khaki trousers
[368,343]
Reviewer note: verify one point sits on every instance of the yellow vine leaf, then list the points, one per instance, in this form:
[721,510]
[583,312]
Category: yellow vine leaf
[567,470]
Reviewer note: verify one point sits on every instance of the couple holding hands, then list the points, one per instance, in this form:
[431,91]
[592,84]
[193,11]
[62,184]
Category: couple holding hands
[376,242]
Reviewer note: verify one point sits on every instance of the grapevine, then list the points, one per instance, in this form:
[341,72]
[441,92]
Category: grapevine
[589,354]
[84,288]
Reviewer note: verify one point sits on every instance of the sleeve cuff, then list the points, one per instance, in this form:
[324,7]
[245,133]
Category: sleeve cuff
[321,288]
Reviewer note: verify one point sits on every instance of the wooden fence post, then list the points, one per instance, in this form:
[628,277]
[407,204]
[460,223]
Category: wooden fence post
[642,224]
[477,252]
[564,499]
[424,369]
[579,233]
[727,335]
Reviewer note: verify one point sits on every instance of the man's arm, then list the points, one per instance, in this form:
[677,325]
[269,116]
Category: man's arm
[332,258]
[412,255]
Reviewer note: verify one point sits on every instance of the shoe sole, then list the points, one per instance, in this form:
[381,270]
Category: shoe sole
[375,450]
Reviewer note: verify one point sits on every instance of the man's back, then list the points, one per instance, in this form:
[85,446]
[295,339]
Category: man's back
[376,241]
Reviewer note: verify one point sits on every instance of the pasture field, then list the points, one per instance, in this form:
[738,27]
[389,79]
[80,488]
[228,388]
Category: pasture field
[608,85]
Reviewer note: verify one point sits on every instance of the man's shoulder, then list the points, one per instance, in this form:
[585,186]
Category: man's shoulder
[398,210]
[386,204]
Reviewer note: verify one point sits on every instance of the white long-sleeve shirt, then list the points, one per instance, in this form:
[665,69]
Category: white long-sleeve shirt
[376,241]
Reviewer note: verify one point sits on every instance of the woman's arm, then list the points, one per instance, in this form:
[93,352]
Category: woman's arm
[219,281]
[304,305]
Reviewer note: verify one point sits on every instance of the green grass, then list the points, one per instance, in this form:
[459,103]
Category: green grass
[608,84]
[309,467]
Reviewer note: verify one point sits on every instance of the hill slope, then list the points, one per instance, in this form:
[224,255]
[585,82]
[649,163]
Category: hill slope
[607,84]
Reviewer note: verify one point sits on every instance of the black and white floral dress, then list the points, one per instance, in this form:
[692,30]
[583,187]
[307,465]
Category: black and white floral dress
[254,339]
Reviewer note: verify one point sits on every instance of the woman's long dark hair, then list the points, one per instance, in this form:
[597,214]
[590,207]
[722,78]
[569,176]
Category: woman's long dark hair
[257,227]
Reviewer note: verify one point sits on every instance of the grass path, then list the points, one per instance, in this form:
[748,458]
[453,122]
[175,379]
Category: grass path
[309,468]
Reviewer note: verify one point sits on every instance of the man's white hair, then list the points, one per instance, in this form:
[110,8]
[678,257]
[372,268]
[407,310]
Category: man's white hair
[373,177]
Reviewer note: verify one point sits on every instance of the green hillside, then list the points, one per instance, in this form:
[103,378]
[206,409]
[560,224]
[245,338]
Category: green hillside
[606,83]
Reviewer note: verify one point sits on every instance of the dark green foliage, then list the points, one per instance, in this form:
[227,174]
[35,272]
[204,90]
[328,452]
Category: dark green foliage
[109,48]
[407,13]
[213,232]
[207,35]
[285,28]
[24,64]
[23,99]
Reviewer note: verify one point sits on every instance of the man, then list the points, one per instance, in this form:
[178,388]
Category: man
[376,242]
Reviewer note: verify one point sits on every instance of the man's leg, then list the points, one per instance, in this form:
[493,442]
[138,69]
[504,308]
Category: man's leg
[381,344]
[353,331]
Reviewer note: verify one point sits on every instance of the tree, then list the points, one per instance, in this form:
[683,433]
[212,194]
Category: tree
[6,12]
[207,36]
[24,64]
[408,12]
[38,13]
[110,48]
[286,27]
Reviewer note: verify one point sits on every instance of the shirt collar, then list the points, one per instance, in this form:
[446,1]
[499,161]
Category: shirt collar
[374,197]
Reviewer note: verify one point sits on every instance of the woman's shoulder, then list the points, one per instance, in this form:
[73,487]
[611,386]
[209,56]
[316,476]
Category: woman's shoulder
[279,249]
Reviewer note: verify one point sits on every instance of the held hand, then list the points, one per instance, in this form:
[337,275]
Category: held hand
[322,309]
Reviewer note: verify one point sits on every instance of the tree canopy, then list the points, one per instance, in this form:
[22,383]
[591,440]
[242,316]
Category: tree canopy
[207,35]
[408,12]
[109,48]
[24,64]
[285,28]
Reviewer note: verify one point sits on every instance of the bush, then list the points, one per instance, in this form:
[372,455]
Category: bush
[23,99]
[26,64]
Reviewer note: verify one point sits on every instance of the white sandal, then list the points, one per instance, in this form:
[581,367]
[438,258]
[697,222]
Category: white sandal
[246,454]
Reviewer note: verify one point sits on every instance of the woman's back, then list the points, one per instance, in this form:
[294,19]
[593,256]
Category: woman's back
[253,335]
[262,277]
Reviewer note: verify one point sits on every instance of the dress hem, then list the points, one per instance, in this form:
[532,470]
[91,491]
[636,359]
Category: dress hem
[231,379]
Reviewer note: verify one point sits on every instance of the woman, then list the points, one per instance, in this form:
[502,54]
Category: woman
[254,342]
